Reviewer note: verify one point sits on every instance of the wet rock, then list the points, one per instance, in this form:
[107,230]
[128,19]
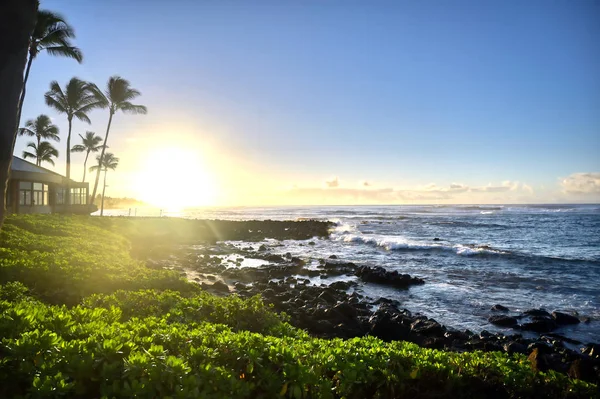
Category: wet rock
[333,257]
[515,347]
[427,327]
[379,275]
[288,255]
[503,321]
[262,247]
[499,308]
[342,285]
[540,325]
[346,309]
[592,350]
[311,243]
[436,239]
[536,313]
[564,319]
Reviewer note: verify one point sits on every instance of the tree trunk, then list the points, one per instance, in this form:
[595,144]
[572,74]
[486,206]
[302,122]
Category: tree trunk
[17,20]
[22,98]
[103,191]
[101,157]
[87,154]
[38,158]
[70,118]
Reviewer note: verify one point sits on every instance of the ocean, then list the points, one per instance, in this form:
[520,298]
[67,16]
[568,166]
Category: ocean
[471,257]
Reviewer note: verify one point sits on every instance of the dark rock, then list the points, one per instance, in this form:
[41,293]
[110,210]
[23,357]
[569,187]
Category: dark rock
[500,308]
[288,255]
[536,313]
[427,327]
[341,285]
[346,309]
[262,247]
[333,257]
[327,296]
[564,318]
[436,239]
[379,275]
[540,325]
[311,243]
[592,350]
[503,321]
[220,286]
[515,347]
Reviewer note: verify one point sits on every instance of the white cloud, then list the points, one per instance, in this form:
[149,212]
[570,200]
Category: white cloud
[333,182]
[582,183]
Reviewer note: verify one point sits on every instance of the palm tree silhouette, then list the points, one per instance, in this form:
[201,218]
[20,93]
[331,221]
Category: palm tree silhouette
[75,101]
[116,97]
[53,34]
[40,127]
[42,152]
[106,162]
[91,143]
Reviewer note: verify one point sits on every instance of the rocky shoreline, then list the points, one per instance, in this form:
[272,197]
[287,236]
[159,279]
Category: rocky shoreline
[335,310]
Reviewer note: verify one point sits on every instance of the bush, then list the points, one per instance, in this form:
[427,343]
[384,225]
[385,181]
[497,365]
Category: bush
[79,318]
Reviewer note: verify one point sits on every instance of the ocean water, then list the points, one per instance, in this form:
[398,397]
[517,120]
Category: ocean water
[471,257]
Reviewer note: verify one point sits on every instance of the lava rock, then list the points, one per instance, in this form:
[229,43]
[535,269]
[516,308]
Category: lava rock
[536,313]
[500,308]
[503,321]
[379,275]
[563,318]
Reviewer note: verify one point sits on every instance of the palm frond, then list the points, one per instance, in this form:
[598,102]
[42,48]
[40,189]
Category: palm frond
[129,108]
[82,117]
[79,148]
[66,51]
[27,154]
[26,132]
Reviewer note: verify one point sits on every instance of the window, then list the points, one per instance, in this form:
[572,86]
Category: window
[79,196]
[33,193]
[61,193]
[40,194]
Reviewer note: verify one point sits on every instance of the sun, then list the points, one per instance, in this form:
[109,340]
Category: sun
[174,178]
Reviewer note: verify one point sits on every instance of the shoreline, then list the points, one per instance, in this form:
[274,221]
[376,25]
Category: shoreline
[336,310]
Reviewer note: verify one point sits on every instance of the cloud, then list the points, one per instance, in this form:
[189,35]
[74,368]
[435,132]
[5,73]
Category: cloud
[456,192]
[332,183]
[582,183]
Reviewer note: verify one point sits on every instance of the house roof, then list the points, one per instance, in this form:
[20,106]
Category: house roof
[21,165]
[22,169]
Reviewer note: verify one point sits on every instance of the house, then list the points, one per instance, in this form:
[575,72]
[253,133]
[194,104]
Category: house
[33,189]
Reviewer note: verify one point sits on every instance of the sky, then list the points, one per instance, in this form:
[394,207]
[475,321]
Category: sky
[340,102]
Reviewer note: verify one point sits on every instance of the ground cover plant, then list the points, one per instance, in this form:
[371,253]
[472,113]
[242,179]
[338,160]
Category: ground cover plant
[81,318]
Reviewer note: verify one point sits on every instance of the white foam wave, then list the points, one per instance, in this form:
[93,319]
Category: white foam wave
[395,243]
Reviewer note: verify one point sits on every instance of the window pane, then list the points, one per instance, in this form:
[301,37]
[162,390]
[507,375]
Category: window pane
[45,187]
[25,185]
[38,186]
[45,197]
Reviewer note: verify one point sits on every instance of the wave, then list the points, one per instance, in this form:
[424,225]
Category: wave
[397,243]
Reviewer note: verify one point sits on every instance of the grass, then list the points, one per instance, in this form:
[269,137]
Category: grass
[81,318]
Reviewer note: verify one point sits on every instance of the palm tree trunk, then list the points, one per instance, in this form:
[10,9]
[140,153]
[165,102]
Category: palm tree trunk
[103,191]
[87,154]
[17,20]
[39,158]
[69,162]
[101,158]
[22,99]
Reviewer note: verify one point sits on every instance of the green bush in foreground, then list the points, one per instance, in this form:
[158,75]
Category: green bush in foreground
[86,351]
[79,318]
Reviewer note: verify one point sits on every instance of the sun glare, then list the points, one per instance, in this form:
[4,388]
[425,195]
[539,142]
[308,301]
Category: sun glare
[174,178]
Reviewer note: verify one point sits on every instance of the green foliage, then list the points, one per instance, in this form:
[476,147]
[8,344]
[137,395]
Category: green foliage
[145,333]
[62,259]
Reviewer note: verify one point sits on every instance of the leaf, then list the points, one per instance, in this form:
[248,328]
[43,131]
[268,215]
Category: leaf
[283,389]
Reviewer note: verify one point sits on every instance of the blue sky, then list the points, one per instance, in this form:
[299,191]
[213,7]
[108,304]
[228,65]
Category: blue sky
[401,94]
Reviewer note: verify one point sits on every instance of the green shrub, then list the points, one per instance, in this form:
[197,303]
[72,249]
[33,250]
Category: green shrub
[80,318]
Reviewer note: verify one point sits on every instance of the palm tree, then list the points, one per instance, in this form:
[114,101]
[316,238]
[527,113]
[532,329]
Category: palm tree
[17,19]
[116,97]
[53,34]
[106,162]
[91,143]
[75,101]
[40,127]
[44,151]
